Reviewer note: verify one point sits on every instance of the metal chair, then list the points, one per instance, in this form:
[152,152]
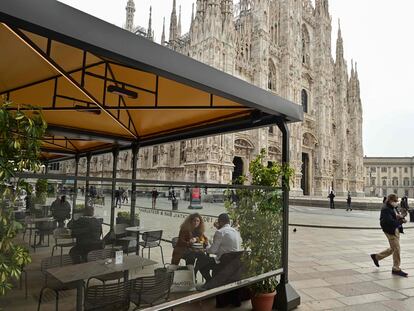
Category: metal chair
[151,239]
[104,254]
[44,228]
[150,290]
[122,237]
[29,226]
[54,284]
[107,297]
[62,234]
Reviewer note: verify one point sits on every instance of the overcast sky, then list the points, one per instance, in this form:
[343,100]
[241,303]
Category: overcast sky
[377,34]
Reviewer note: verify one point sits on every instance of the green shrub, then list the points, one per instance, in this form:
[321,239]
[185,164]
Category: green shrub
[20,140]
[259,214]
[127,215]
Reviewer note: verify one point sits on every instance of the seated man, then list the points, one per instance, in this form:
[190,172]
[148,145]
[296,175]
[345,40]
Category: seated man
[226,240]
[87,230]
[60,210]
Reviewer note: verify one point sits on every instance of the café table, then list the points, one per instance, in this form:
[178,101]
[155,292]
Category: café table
[80,272]
[137,230]
[34,221]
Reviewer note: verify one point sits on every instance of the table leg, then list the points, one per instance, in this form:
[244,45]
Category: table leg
[126,275]
[137,249]
[79,296]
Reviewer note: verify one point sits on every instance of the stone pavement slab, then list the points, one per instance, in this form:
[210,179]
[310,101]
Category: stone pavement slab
[330,268]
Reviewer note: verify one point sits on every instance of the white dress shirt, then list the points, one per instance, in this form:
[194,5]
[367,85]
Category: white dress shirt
[226,240]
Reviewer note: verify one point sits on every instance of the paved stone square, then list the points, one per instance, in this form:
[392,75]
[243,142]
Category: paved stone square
[330,268]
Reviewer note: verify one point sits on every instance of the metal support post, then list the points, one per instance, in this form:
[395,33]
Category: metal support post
[115,153]
[88,171]
[75,184]
[135,150]
[287,297]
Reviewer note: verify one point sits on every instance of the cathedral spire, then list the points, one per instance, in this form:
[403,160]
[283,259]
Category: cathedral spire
[200,8]
[352,69]
[130,10]
[339,45]
[149,31]
[322,7]
[179,22]
[173,23]
[192,14]
[227,8]
[163,32]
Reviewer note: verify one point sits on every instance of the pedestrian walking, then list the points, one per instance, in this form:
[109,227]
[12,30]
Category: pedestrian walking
[125,198]
[391,223]
[118,197]
[348,202]
[154,195]
[331,197]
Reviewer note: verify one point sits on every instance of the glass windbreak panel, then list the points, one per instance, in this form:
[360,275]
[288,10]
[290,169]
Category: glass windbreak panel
[200,237]
[213,236]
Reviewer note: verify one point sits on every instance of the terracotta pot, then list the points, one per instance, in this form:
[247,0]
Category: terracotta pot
[263,302]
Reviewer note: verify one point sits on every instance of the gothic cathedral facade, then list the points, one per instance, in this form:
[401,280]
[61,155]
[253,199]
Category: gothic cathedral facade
[283,46]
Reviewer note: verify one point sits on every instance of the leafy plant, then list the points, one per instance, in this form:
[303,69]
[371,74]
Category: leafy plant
[20,139]
[41,191]
[259,214]
[127,216]
[79,208]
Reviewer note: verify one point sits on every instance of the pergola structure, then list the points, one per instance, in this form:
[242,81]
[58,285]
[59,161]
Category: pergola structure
[104,89]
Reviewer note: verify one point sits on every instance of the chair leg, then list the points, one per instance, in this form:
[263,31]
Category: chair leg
[25,284]
[34,243]
[149,252]
[142,252]
[162,254]
[40,298]
[57,301]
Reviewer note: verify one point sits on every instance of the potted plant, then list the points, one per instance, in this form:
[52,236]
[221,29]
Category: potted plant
[125,218]
[258,213]
[20,140]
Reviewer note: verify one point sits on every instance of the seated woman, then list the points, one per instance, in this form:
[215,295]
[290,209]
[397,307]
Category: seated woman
[191,231]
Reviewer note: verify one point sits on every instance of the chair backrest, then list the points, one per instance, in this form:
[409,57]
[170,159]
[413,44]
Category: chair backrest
[55,261]
[46,226]
[230,269]
[100,254]
[151,289]
[113,296]
[60,233]
[121,229]
[174,242]
[152,236]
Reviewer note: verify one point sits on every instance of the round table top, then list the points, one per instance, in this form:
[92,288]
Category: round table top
[134,229]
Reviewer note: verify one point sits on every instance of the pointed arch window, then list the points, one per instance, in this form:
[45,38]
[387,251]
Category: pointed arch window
[155,156]
[305,46]
[272,80]
[304,96]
